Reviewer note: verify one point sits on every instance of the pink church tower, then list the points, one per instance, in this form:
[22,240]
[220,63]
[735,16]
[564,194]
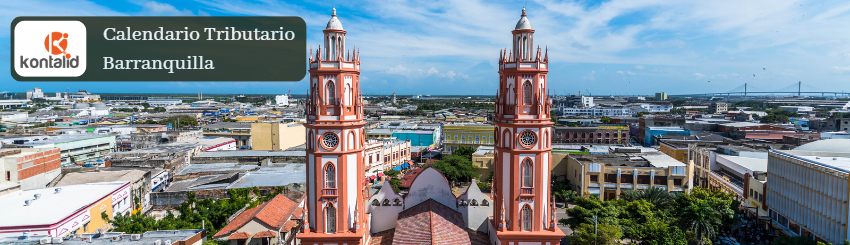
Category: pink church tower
[335,138]
[523,210]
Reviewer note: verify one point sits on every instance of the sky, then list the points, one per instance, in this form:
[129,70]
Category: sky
[450,47]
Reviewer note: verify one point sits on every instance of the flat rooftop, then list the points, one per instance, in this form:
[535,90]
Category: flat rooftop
[51,207]
[648,159]
[147,238]
[57,139]
[251,153]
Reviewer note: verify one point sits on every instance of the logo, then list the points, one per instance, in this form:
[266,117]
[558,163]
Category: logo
[56,43]
[49,48]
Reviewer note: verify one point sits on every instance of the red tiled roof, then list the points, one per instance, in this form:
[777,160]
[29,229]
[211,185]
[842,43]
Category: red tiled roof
[430,222]
[277,211]
[264,234]
[274,213]
[383,237]
[408,178]
[239,235]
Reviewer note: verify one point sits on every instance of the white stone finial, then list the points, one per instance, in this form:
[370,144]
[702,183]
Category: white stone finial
[523,11]
[334,10]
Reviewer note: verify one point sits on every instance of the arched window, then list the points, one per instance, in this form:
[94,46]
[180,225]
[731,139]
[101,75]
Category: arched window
[330,219]
[331,93]
[330,176]
[375,202]
[526,93]
[545,140]
[386,202]
[351,144]
[333,49]
[310,140]
[348,98]
[473,202]
[525,214]
[527,173]
[524,48]
[506,137]
[396,202]
[485,202]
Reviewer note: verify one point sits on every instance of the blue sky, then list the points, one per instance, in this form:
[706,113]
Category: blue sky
[451,47]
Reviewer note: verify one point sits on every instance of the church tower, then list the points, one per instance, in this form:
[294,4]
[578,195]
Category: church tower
[524,210]
[335,138]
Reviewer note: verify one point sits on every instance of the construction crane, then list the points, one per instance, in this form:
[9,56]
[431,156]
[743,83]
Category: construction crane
[588,93]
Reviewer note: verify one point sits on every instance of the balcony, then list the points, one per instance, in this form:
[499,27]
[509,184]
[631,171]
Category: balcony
[329,192]
[526,191]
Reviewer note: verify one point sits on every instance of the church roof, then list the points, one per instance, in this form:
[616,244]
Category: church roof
[523,23]
[430,222]
[334,23]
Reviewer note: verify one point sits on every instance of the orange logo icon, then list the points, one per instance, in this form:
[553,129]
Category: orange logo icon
[56,43]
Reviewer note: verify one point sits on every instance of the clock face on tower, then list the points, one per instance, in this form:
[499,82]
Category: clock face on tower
[330,140]
[527,138]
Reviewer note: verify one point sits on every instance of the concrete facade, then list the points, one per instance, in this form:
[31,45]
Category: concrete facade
[276,136]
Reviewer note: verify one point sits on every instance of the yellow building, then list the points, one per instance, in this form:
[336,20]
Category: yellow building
[608,175]
[276,136]
[64,211]
[676,151]
[455,136]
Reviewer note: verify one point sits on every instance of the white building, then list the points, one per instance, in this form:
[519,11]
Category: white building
[282,100]
[164,102]
[654,108]
[596,112]
[797,108]
[808,191]
[385,154]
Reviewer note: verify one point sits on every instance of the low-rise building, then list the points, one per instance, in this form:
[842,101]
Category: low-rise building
[26,168]
[386,154]
[175,237]
[63,211]
[472,136]
[274,136]
[608,175]
[591,135]
[718,107]
[277,221]
[75,148]
[595,112]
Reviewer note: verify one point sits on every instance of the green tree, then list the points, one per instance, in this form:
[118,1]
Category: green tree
[392,173]
[394,183]
[605,120]
[657,196]
[457,168]
[464,151]
[603,234]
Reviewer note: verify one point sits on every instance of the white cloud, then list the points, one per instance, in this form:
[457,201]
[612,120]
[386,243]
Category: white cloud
[841,69]
[419,73]
[163,9]
[699,75]
[619,72]
[639,67]
[589,76]
[630,73]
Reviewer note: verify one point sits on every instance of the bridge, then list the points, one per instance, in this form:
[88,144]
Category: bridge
[795,89]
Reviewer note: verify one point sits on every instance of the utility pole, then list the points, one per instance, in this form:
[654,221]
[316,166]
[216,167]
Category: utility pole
[799,86]
[595,231]
[745,90]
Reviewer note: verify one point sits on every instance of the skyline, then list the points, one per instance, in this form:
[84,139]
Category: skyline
[613,47]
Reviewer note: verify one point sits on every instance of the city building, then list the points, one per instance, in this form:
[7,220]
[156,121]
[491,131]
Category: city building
[718,107]
[417,137]
[28,168]
[281,100]
[591,135]
[174,237]
[74,148]
[523,212]
[661,96]
[578,101]
[274,222]
[141,181]
[240,131]
[652,132]
[163,102]
[386,154]
[653,108]
[608,175]
[808,190]
[468,135]
[84,96]
[276,136]
[63,211]
[595,112]
[336,212]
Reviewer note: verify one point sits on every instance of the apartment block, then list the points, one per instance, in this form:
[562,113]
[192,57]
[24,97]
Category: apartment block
[608,175]
[472,136]
[26,169]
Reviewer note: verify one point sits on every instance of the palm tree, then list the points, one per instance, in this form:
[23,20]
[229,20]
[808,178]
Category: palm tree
[701,218]
[657,196]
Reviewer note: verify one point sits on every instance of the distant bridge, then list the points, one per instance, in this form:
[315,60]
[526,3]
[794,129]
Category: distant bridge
[791,90]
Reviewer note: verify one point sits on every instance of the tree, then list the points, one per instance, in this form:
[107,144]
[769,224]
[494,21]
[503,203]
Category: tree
[605,120]
[657,196]
[678,102]
[394,183]
[464,151]
[392,173]
[565,195]
[457,168]
[603,234]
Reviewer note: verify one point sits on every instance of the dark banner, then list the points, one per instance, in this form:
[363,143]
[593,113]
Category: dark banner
[158,48]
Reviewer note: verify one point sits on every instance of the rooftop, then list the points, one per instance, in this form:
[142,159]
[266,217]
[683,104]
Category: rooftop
[41,140]
[100,176]
[250,153]
[52,207]
[828,145]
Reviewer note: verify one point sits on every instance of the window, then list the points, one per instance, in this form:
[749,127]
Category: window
[643,179]
[611,178]
[526,91]
[8,176]
[527,173]
[661,180]
[525,225]
[396,202]
[330,176]
[330,219]
[485,202]
[677,182]
[386,202]
[594,178]
[331,93]
[376,203]
[473,202]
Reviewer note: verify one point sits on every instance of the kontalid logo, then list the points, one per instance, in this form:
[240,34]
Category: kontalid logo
[55,43]
[49,48]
